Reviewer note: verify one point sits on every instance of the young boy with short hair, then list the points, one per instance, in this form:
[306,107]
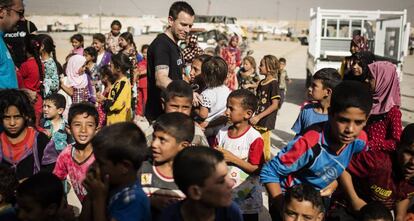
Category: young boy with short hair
[321,154]
[22,147]
[178,97]
[303,202]
[320,92]
[242,146]
[172,133]
[114,190]
[54,124]
[283,80]
[201,173]
[73,162]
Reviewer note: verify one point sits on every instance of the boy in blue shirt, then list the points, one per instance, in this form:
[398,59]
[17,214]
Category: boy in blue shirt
[321,154]
[114,190]
[320,91]
[54,124]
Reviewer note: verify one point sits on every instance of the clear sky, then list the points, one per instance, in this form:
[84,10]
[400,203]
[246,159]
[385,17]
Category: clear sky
[281,9]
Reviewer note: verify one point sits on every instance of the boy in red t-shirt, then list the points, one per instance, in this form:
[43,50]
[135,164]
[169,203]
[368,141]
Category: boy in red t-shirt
[75,159]
[382,176]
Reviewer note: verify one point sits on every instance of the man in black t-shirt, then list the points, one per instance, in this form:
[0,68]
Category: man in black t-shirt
[15,40]
[165,62]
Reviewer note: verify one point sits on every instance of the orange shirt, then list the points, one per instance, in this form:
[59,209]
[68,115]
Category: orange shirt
[15,152]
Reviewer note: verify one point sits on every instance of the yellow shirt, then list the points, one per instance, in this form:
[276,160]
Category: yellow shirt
[120,111]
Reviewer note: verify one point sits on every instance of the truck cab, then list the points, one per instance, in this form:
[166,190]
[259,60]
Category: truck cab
[331,32]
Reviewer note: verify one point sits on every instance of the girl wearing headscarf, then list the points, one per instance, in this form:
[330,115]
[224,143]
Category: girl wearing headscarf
[232,55]
[384,124]
[77,80]
[358,44]
[359,68]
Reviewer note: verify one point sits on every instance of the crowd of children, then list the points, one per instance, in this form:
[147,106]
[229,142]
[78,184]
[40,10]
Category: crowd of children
[80,127]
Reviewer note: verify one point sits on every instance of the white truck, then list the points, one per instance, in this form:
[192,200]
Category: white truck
[331,32]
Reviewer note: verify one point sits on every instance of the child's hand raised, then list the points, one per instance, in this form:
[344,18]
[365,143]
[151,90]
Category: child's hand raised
[96,187]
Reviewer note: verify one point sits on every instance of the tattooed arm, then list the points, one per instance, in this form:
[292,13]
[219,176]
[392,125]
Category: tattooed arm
[161,76]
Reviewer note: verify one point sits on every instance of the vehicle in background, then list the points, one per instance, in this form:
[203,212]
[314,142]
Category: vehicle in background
[218,22]
[211,29]
[331,32]
[207,40]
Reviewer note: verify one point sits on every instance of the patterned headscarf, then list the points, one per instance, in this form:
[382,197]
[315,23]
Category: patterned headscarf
[387,87]
[192,50]
[361,42]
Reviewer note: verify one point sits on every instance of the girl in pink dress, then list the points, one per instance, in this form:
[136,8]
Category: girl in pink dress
[232,55]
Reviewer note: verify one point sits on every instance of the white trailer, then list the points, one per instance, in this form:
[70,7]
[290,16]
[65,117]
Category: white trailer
[331,32]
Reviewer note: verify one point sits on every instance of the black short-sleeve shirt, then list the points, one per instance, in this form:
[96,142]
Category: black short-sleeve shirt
[265,93]
[162,51]
[15,40]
